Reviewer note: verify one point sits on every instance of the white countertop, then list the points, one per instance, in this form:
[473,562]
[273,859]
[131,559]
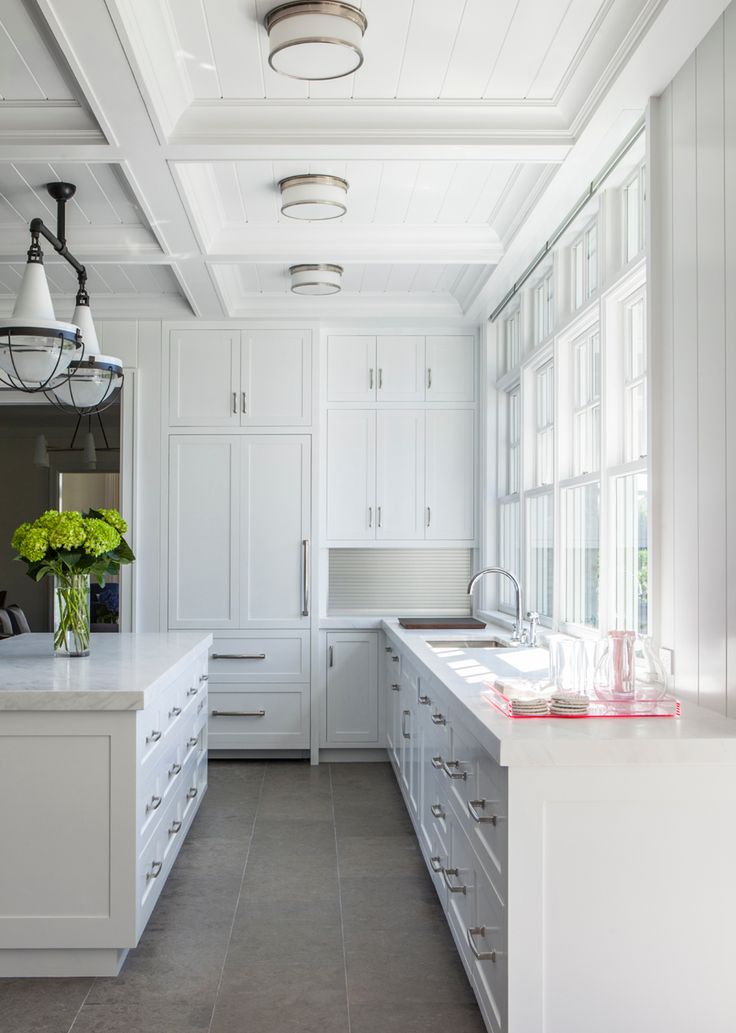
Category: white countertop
[699,736]
[123,671]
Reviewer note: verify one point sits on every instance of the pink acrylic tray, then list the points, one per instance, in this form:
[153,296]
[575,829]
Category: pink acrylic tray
[668,706]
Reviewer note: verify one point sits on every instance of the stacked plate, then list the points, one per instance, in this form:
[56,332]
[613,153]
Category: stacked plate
[569,704]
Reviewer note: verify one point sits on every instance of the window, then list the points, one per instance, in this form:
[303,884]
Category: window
[632,553]
[586,429]
[545,425]
[509,523]
[508,551]
[540,561]
[634,195]
[544,303]
[585,265]
[635,385]
[582,560]
[512,345]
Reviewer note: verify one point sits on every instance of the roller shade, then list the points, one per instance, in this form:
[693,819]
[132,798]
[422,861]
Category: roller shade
[399,581]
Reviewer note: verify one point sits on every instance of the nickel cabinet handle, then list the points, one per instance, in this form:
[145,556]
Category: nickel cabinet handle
[437,762]
[305,577]
[429,378]
[191,793]
[204,677]
[437,811]
[370,516]
[174,828]
[479,930]
[235,402]
[396,687]
[193,691]
[330,657]
[238,656]
[238,713]
[489,819]
[155,871]
[435,864]
[154,804]
[380,378]
[175,711]
[153,737]
[192,742]
[379,516]
[429,515]
[447,874]
[454,774]
[174,770]
[244,404]
[424,700]
[404,715]
[370,379]
[439,719]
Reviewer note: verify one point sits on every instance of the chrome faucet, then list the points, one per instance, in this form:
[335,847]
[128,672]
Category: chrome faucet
[519,635]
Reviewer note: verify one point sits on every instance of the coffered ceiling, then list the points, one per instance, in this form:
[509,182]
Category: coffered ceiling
[454,135]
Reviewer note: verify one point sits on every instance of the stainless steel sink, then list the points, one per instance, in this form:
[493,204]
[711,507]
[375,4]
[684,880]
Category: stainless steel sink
[468,643]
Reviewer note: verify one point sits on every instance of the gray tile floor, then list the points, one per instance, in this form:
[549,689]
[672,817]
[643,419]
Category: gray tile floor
[299,904]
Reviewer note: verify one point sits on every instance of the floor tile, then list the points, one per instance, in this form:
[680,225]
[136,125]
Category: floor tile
[40,1005]
[462,1018]
[379,856]
[412,977]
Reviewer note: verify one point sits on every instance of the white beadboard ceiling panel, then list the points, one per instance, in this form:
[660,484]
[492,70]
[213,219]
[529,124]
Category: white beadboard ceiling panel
[103,197]
[104,279]
[28,71]
[368,278]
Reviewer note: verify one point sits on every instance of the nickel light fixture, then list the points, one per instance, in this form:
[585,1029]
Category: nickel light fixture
[316,279]
[313,197]
[315,39]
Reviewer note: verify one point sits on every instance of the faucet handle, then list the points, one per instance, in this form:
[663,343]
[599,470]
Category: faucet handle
[533,617]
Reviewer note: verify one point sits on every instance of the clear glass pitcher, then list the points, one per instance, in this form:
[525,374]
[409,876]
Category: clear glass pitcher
[615,678]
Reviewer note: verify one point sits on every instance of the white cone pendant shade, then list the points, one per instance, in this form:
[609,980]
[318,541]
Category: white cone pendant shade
[40,451]
[316,279]
[35,347]
[96,378]
[315,39]
[313,197]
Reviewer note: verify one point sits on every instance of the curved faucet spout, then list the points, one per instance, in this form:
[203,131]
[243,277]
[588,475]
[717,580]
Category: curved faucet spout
[518,635]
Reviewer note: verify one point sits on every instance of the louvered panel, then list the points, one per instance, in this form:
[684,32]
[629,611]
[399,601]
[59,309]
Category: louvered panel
[399,581]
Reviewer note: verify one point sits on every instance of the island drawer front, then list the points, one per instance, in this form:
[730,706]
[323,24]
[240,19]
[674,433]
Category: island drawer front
[488,935]
[259,717]
[261,657]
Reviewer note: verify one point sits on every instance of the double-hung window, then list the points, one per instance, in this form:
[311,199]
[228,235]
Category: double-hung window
[633,214]
[540,500]
[510,477]
[544,303]
[512,341]
[585,265]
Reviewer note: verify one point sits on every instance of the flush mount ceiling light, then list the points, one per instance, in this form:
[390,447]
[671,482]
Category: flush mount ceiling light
[316,279]
[313,197]
[315,39]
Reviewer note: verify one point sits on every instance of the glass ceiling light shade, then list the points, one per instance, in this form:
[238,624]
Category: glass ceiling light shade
[313,197]
[97,378]
[315,39]
[35,348]
[316,279]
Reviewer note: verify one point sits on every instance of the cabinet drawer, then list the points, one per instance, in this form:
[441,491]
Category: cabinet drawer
[260,658]
[488,955]
[265,716]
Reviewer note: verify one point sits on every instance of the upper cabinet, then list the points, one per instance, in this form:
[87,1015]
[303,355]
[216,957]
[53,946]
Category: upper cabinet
[401,368]
[229,378]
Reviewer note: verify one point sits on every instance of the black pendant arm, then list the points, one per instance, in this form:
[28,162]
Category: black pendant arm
[38,228]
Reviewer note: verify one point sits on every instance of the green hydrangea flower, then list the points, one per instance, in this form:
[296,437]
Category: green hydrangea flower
[114,519]
[100,537]
[47,520]
[67,532]
[18,535]
[34,545]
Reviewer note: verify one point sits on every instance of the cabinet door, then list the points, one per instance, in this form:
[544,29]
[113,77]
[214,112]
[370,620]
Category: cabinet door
[352,687]
[451,369]
[400,475]
[204,487]
[275,510]
[450,475]
[351,369]
[351,475]
[400,369]
[276,378]
[204,377]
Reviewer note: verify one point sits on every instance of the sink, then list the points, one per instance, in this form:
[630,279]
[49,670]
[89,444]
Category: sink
[469,643]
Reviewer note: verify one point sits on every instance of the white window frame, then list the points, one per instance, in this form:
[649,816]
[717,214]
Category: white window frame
[543,294]
[583,285]
[640,179]
[512,341]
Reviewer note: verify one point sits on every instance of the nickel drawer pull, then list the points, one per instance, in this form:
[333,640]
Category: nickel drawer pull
[396,687]
[204,677]
[153,737]
[437,762]
[438,811]
[193,691]
[405,714]
[154,804]
[370,379]
[490,819]
[331,657]
[305,577]
[379,516]
[370,516]
[479,930]
[439,719]
[388,649]
[235,401]
[155,871]
[424,700]
[429,377]
[238,656]
[192,742]
[448,873]
[238,713]
[454,774]
[200,705]
[174,770]
[191,793]
[174,828]
[175,711]
[244,404]
[429,515]
[435,863]
[380,378]
[395,659]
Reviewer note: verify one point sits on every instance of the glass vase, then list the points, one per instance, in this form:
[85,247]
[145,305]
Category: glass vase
[71,615]
[614,668]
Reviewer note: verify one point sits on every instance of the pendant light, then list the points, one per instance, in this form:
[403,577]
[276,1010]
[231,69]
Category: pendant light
[315,39]
[41,451]
[313,197]
[316,279]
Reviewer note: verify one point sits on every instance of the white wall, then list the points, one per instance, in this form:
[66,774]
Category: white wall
[693,325]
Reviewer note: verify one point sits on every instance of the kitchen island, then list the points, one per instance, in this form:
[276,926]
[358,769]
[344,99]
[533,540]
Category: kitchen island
[585,865]
[103,764]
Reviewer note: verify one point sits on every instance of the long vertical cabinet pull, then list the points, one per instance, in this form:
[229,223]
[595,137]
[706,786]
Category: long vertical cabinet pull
[235,402]
[379,516]
[370,516]
[245,404]
[305,577]
[370,379]
[330,657]
[429,516]
[429,379]
[380,378]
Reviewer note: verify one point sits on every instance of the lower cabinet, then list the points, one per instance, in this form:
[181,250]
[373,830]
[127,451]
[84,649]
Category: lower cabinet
[456,796]
[352,704]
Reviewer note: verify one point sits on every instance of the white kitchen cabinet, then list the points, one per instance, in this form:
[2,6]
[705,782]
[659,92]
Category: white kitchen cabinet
[351,474]
[255,717]
[276,378]
[352,699]
[204,378]
[204,537]
[450,368]
[351,368]
[450,476]
[399,368]
[239,530]
[399,474]
[229,378]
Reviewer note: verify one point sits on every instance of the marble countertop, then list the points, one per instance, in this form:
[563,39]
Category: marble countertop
[123,671]
[699,736]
